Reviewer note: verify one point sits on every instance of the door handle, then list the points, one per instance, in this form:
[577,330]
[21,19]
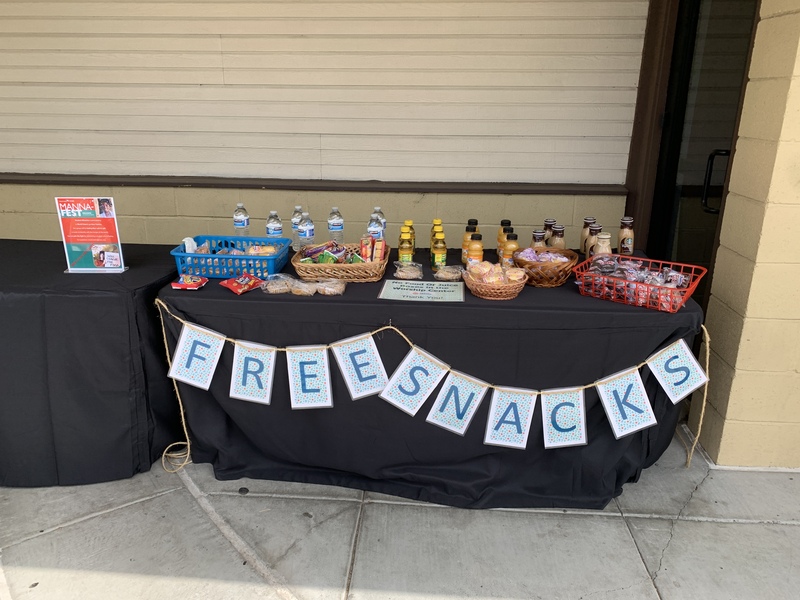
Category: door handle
[707,182]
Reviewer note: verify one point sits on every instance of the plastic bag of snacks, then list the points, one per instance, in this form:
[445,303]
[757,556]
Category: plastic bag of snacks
[189,282]
[241,284]
[486,272]
[451,273]
[304,288]
[407,270]
[331,287]
[279,283]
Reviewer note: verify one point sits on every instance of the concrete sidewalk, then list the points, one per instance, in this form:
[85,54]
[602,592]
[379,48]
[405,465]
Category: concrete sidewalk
[678,533]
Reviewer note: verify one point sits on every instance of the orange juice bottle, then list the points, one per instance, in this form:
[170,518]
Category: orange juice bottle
[501,242]
[509,248]
[466,240]
[475,250]
[500,239]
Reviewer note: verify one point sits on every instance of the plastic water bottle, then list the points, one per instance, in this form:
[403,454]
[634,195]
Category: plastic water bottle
[296,216]
[241,221]
[377,210]
[336,225]
[305,230]
[375,227]
[274,225]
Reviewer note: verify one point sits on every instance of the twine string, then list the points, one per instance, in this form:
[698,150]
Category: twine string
[707,341]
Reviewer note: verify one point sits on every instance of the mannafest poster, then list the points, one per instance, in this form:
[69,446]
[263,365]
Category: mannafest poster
[90,234]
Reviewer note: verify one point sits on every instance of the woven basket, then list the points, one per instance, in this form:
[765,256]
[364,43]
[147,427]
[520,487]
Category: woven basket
[548,274]
[356,273]
[493,291]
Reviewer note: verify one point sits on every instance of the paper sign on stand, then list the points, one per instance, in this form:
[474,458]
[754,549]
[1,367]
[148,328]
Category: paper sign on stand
[90,235]
[196,356]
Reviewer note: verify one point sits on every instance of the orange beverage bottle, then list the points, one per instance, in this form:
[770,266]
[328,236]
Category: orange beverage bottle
[475,250]
[466,240]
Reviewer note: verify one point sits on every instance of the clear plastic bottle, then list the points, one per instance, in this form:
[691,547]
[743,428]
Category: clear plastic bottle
[548,229]
[241,221]
[603,245]
[305,230]
[296,216]
[438,252]
[336,225]
[374,227]
[405,251]
[466,240]
[433,231]
[410,224]
[274,225]
[377,210]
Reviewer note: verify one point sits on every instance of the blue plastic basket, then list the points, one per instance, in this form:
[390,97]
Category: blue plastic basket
[225,266]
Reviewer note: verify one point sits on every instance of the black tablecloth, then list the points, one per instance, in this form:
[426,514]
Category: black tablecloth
[85,397]
[543,339]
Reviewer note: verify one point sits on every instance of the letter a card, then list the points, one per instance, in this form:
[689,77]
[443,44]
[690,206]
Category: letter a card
[361,366]
[253,368]
[564,418]
[677,371]
[414,380]
[510,415]
[196,356]
[626,403]
[309,377]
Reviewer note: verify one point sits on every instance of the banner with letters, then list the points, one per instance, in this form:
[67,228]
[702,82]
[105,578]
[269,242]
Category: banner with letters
[419,375]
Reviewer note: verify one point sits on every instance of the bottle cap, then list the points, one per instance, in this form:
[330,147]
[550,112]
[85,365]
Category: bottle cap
[239,205]
[405,229]
[335,208]
[440,236]
[273,212]
[513,236]
[594,229]
[471,228]
[558,228]
[405,236]
[605,236]
[376,208]
[305,214]
[508,230]
[589,220]
[408,222]
[505,223]
[437,228]
[549,222]
[298,207]
[437,221]
[472,222]
[477,236]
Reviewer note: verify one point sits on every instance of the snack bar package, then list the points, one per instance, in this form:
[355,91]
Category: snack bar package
[189,282]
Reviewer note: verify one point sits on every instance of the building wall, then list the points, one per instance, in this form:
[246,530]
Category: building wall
[165,215]
[520,91]
[753,416]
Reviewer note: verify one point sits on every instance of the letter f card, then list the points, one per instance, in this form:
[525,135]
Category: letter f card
[196,356]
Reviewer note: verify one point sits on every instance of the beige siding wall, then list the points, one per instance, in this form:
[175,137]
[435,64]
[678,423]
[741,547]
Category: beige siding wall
[167,215]
[536,91]
[754,315]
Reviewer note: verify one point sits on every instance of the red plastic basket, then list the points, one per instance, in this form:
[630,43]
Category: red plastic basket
[656,297]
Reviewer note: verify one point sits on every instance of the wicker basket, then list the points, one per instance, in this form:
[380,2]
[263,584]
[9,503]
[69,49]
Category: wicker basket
[356,272]
[493,291]
[548,274]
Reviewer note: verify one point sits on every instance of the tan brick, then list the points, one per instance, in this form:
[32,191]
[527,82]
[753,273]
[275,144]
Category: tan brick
[713,426]
[771,8]
[751,172]
[166,230]
[206,202]
[765,102]
[785,184]
[531,210]
[725,328]
[30,226]
[732,279]
[721,376]
[488,209]
[26,199]
[741,225]
[133,230]
[779,233]
[775,49]
[768,345]
[765,396]
[144,201]
[608,210]
[774,291]
[791,119]
[750,444]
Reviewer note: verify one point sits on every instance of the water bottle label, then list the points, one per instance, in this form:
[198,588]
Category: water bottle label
[307,233]
[241,223]
[335,226]
[274,229]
